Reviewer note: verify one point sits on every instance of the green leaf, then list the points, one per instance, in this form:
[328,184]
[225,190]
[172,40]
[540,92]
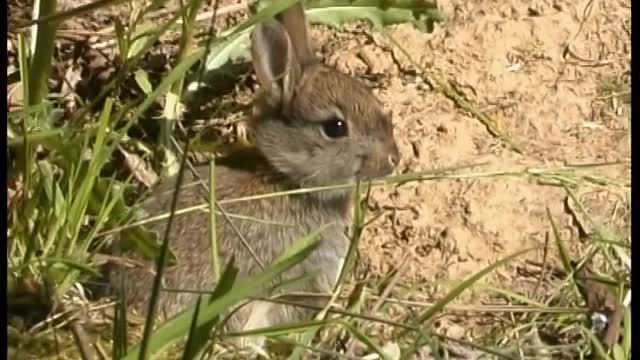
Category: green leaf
[232,44]
[626,339]
[235,44]
[140,38]
[618,352]
[174,75]
[142,79]
[379,13]
[121,38]
[235,48]
[137,238]
[102,191]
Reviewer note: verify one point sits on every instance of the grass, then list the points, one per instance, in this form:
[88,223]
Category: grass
[67,200]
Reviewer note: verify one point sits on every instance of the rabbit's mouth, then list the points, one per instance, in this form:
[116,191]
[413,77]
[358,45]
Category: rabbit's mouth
[369,177]
[379,160]
[371,170]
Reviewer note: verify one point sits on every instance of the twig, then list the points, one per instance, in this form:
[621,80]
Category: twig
[394,280]
[383,296]
[543,267]
[101,352]
[80,336]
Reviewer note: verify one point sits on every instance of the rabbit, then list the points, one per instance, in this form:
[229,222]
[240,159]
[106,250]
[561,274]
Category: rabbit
[312,126]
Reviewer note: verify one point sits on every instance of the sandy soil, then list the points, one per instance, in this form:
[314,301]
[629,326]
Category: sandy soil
[544,71]
[514,66]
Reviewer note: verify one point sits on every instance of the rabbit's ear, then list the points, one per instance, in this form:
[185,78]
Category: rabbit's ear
[274,61]
[295,21]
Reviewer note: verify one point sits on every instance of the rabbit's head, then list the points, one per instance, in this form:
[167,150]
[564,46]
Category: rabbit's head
[314,124]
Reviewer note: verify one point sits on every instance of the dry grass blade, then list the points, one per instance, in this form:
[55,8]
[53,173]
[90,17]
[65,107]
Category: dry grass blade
[438,306]
[560,174]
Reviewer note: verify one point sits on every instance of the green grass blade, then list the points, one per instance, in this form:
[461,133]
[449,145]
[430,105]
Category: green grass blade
[309,241]
[200,334]
[515,296]
[42,47]
[25,78]
[120,320]
[83,194]
[193,339]
[161,263]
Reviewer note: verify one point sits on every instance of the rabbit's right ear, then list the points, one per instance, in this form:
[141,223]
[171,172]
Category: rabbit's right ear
[274,61]
[297,25]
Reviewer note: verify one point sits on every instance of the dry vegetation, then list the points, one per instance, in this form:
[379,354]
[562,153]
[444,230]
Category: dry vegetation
[513,121]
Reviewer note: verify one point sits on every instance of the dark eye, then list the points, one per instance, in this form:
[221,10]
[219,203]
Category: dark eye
[335,128]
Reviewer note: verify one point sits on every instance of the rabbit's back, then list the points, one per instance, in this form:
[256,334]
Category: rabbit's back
[269,226]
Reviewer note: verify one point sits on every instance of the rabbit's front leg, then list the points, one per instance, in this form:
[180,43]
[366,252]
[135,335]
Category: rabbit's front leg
[258,316]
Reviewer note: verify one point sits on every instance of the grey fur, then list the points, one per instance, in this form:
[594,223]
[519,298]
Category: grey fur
[291,151]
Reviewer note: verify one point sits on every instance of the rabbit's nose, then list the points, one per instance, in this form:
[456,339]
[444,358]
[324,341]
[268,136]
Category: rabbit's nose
[393,160]
[394,156]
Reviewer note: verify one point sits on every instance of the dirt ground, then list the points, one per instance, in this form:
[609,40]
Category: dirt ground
[514,66]
[555,75]
[541,69]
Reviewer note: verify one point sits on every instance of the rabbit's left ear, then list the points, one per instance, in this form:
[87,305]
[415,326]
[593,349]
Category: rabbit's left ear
[275,61]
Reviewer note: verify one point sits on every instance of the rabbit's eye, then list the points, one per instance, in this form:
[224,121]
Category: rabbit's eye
[335,128]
